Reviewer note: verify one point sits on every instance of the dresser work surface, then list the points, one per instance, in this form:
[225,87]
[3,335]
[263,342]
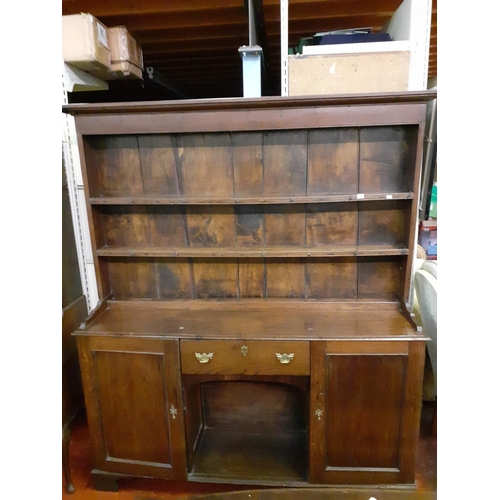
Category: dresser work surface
[252,319]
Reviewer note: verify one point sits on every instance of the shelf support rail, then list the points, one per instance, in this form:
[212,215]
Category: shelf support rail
[74,179]
[284,46]
[253,55]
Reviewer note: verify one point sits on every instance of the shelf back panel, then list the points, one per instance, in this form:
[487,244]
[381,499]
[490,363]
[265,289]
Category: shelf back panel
[310,278]
[242,164]
[382,222]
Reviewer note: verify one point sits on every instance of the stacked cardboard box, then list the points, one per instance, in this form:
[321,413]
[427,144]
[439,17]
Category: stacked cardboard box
[107,53]
[126,54]
[85,43]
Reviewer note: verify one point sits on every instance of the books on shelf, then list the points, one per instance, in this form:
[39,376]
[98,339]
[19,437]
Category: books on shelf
[361,35]
[340,37]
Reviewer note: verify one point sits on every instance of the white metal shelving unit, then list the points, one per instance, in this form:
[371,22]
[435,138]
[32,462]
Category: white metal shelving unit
[409,28]
[74,80]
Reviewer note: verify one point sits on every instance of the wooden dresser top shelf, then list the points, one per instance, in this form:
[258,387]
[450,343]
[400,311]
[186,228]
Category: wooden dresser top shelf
[186,105]
[252,320]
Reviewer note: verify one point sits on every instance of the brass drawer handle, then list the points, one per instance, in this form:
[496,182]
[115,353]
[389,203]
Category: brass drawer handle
[285,358]
[204,358]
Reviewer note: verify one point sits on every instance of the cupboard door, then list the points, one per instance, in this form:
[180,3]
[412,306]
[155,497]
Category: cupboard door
[134,405]
[365,411]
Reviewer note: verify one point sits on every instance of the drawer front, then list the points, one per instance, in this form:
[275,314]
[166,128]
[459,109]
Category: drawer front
[227,357]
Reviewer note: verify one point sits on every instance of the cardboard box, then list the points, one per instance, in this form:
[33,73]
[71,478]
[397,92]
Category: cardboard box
[348,73]
[85,43]
[126,56]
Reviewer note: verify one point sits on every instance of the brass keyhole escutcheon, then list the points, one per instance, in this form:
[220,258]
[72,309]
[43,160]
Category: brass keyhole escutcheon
[244,350]
[173,411]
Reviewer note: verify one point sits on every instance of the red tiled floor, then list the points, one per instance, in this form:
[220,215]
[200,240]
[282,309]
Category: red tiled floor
[129,489]
[145,489]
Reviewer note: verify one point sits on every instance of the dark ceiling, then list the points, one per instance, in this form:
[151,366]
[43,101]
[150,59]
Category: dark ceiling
[193,44]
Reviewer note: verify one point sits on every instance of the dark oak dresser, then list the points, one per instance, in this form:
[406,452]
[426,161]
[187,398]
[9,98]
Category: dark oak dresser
[254,264]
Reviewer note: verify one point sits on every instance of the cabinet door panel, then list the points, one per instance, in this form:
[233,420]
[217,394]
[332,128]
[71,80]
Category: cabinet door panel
[134,410]
[365,411]
[363,417]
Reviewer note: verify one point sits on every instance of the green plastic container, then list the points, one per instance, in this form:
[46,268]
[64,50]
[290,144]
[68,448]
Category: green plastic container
[433,210]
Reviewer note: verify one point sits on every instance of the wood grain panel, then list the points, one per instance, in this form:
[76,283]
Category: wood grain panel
[254,319]
[253,406]
[211,226]
[383,223]
[168,226]
[92,410]
[350,113]
[366,347]
[174,278]
[364,400]
[96,223]
[127,344]
[333,157]
[90,158]
[118,165]
[132,278]
[285,225]
[158,166]
[96,228]
[131,385]
[412,405]
[260,358]
[249,226]
[273,456]
[125,226]
[285,163]
[317,409]
[194,422]
[206,164]
[285,278]
[251,276]
[133,404]
[379,278]
[302,382]
[332,224]
[384,159]
[327,279]
[247,159]
[414,150]
[215,278]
